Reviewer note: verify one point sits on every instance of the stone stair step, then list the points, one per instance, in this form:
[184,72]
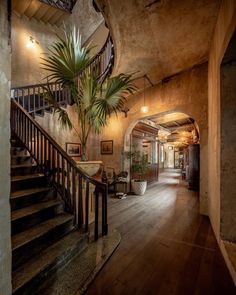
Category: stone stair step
[30,242]
[27,277]
[27,217]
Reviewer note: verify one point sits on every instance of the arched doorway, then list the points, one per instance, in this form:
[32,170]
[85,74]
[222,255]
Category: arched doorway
[170,140]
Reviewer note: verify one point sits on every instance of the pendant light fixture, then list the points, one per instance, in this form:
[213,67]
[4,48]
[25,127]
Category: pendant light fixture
[144,109]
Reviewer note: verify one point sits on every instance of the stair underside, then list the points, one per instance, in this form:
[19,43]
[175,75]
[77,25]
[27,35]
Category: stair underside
[40,11]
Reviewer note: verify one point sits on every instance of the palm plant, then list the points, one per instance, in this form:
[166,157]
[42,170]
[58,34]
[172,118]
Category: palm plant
[95,100]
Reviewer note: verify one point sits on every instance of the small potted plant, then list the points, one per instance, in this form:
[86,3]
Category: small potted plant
[139,166]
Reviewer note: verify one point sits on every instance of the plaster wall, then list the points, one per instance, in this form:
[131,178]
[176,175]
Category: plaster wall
[223,32]
[5,235]
[26,61]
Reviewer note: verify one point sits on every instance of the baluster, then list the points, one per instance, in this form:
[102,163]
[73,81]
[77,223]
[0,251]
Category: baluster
[80,201]
[74,191]
[38,154]
[104,211]
[58,168]
[68,179]
[41,149]
[53,163]
[34,101]
[96,214]
[23,98]
[28,106]
[87,206]
[63,176]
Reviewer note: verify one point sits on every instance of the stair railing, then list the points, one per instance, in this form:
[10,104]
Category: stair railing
[31,97]
[70,181]
[66,5]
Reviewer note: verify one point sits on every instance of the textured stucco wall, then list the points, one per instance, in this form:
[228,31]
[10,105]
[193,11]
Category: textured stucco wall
[26,61]
[5,241]
[223,31]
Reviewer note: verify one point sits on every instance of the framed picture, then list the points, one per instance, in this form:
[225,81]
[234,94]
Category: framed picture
[107,147]
[73,149]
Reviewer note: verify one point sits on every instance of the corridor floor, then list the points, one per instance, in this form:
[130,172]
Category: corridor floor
[166,247]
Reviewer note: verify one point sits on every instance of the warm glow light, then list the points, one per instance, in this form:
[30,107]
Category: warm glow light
[144,109]
[29,44]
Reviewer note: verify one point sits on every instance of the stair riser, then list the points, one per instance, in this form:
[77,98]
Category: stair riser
[16,143]
[24,201]
[19,151]
[35,218]
[21,160]
[24,253]
[28,183]
[34,283]
[24,170]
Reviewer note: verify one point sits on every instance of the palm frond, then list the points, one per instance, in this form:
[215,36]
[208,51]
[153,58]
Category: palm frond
[66,57]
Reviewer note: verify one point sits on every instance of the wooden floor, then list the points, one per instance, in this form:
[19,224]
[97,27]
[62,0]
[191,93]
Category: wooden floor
[166,246]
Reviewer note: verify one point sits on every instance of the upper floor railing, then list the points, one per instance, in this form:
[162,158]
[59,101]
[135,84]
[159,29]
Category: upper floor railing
[31,97]
[66,5]
[71,182]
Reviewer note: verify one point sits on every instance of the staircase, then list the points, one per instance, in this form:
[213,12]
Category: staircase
[53,12]
[43,235]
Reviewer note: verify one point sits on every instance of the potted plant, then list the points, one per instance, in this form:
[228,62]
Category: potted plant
[94,100]
[139,165]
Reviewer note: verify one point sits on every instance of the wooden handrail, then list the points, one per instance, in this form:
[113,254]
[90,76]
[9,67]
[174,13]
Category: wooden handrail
[70,181]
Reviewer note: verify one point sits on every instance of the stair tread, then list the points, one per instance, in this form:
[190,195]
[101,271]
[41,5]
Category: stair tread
[39,230]
[39,263]
[23,165]
[20,156]
[19,213]
[25,177]
[26,192]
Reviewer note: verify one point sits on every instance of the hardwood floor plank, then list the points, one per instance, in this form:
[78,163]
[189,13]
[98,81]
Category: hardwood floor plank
[167,247]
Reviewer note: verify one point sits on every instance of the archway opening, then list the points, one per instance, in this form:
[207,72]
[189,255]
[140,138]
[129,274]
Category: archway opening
[170,142]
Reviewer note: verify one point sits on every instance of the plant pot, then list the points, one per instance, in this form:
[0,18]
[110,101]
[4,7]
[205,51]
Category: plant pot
[139,186]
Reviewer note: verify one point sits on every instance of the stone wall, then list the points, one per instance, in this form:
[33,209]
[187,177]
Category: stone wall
[5,240]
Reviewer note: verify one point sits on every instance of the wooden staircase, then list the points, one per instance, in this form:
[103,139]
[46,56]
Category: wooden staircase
[43,235]
[39,10]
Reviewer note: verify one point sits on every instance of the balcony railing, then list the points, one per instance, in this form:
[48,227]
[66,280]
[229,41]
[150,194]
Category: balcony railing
[66,5]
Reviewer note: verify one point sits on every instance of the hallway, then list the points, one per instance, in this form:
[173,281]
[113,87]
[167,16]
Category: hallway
[166,246]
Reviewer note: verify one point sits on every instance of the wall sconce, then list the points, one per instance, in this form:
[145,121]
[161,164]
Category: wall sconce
[144,109]
[31,42]
[125,111]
